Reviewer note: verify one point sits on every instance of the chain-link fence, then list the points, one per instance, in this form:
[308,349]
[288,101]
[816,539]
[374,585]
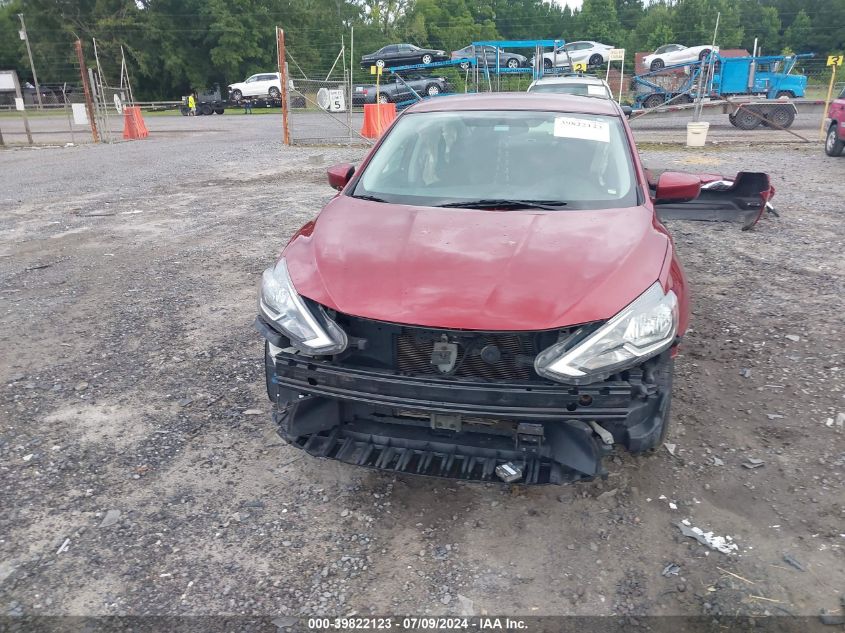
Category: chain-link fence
[320,111]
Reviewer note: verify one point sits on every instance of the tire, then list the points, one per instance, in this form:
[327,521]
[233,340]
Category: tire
[704,54]
[219,110]
[833,145]
[732,119]
[274,92]
[682,98]
[206,109]
[432,90]
[653,101]
[547,64]
[781,117]
[596,60]
[464,65]
[427,59]
[657,64]
[745,120]
[380,63]
[383,98]
[513,63]
[785,93]
[666,378]
[236,95]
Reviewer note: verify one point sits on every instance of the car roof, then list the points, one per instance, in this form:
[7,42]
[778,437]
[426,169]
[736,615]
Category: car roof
[578,79]
[518,101]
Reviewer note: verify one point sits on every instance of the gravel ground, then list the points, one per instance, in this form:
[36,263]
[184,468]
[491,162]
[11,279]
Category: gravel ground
[140,472]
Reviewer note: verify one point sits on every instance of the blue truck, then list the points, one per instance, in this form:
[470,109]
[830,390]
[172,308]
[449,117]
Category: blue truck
[757,89]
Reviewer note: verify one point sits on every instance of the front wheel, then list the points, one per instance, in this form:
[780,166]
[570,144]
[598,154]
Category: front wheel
[237,95]
[380,63]
[274,92]
[704,54]
[207,110]
[427,59]
[513,63]
[657,64]
[547,64]
[219,110]
[653,101]
[596,60]
[432,90]
[383,98]
[833,146]
[785,93]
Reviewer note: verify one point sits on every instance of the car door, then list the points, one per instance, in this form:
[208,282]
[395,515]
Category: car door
[577,50]
[676,54]
[251,86]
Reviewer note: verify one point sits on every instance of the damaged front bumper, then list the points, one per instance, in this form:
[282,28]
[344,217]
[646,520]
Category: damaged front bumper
[460,428]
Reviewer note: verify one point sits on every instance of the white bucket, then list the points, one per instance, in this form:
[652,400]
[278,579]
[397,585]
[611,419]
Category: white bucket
[697,133]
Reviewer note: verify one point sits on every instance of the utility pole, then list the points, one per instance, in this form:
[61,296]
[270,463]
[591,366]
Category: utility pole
[25,38]
[86,88]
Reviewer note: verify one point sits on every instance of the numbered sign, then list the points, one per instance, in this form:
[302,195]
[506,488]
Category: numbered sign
[835,60]
[579,67]
[331,99]
[375,70]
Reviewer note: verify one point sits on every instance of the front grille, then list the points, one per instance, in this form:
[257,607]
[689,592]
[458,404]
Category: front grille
[516,356]
[408,350]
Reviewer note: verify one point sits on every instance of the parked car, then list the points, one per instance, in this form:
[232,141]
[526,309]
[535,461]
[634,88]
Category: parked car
[591,53]
[259,85]
[835,139]
[392,90]
[464,306]
[573,85]
[677,54]
[488,55]
[401,55]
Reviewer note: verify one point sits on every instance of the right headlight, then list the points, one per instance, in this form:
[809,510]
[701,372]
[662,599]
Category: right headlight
[646,327]
[286,311]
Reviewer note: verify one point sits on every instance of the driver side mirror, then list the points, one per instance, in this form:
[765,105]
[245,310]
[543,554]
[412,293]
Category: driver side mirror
[340,175]
[627,110]
[673,186]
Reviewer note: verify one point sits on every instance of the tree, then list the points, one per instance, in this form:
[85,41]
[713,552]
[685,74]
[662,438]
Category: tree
[598,21]
[796,36]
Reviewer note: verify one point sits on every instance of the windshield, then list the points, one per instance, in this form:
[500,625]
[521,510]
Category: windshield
[585,90]
[447,158]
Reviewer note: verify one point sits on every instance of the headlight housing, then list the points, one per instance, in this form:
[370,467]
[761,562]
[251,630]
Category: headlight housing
[285,310]
[643,329]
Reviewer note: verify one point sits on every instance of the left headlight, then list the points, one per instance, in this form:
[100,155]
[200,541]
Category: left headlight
[282,306]
[643,329]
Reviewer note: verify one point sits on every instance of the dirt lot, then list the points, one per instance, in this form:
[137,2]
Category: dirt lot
[140,472]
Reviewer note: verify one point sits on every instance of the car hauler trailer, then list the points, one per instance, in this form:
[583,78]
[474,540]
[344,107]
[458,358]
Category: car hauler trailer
[758,89]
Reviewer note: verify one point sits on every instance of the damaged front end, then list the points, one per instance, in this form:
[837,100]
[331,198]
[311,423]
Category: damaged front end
[460,404]
[744,198]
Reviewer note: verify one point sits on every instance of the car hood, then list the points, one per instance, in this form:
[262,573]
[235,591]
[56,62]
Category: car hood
[475,269]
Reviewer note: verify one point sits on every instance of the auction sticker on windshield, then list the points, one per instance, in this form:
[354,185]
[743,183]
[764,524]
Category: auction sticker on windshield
[585,129]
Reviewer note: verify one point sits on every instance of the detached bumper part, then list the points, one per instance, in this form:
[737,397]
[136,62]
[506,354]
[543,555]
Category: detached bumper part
[465,429]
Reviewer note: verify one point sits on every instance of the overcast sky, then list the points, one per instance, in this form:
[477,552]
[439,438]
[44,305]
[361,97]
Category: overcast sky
[573,4]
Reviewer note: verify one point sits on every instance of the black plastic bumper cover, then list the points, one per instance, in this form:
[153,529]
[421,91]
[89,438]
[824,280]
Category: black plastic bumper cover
[357,416]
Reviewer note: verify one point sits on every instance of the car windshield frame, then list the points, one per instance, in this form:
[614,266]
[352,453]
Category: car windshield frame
[532,175]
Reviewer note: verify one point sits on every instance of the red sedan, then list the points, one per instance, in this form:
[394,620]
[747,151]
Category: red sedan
[490,294]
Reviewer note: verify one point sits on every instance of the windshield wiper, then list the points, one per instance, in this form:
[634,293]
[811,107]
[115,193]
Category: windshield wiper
[370,198]
[496,203]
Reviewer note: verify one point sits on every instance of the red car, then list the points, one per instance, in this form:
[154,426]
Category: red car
[490,293]
[835,140]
